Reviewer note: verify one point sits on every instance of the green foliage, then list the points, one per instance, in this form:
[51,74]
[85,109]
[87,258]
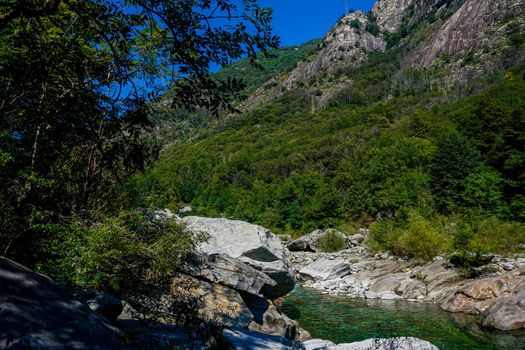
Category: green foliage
[373,28]
[416,237]
[423,239]
[483,190]
[455,159]
[332,241]
[118,254]
[355,23]
[292,171]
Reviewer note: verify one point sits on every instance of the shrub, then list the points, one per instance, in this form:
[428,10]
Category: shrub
[423,239]
[332,241]
[383,235]
[417,237]
[495,236]
[118,254]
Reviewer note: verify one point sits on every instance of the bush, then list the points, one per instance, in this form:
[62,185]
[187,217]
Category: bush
[416,238]
[117,254]
[499,237]
[332,241]
[423,239]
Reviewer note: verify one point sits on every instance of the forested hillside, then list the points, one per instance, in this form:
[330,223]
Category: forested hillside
[435,156]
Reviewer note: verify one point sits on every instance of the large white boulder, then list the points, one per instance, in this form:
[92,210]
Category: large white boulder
[402,343]
[325,269]
[251,244]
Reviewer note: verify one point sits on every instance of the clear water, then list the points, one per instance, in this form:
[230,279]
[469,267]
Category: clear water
[345,320]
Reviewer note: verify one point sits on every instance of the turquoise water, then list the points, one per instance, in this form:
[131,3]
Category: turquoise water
[344,320]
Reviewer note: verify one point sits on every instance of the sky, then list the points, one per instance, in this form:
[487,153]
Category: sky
[297,21]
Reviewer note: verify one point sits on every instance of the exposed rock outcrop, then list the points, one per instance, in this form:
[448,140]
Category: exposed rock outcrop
[251,244]
[267,319]
[477,27]
[215,302]
[36,313]
[500,301]
[225,270]
[241,339]
[325,269]
[390,13]
[345,44]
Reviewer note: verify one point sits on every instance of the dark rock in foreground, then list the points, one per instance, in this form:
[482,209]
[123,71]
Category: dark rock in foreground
[36,313]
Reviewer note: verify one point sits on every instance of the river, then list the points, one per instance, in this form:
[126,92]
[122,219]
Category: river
[344,320]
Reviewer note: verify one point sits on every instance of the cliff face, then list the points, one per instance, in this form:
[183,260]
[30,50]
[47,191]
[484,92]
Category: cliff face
[346,44]
[456,36]
[477,28]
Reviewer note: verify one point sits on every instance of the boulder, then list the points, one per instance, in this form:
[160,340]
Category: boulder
[500,301]
[506,313]
[225,270]
[251,244]
[325,269]
[241,339]
[267,319]
[400,284]
[103,304]
[36,313]
[317,344]
[437,276]
[401,343]
[357,239]
[215,302]
[306,243]
[310,242]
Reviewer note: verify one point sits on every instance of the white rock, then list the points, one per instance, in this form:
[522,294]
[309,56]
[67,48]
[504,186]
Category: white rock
[251,244]
[325,269]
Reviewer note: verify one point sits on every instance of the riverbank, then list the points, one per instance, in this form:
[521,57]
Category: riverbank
[496,297]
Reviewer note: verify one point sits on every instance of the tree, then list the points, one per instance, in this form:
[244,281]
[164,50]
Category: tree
[453,162]
[78,79]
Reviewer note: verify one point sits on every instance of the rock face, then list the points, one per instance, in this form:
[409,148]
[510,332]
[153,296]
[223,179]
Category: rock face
[251,244]
[267,319]
[36,313]
[346,44]
[390,13]
[225,270]
[475,27]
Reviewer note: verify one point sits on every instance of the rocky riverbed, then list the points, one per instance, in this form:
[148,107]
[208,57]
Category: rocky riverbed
[496,297]
[236,279]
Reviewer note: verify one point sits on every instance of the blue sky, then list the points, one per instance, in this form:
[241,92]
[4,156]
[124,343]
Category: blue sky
[297,21]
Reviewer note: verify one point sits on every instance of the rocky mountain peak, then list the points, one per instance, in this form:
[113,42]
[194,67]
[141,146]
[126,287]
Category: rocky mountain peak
[390,13]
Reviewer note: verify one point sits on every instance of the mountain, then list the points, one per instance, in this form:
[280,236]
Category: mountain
[409,118]
[450,41]
[176,125]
